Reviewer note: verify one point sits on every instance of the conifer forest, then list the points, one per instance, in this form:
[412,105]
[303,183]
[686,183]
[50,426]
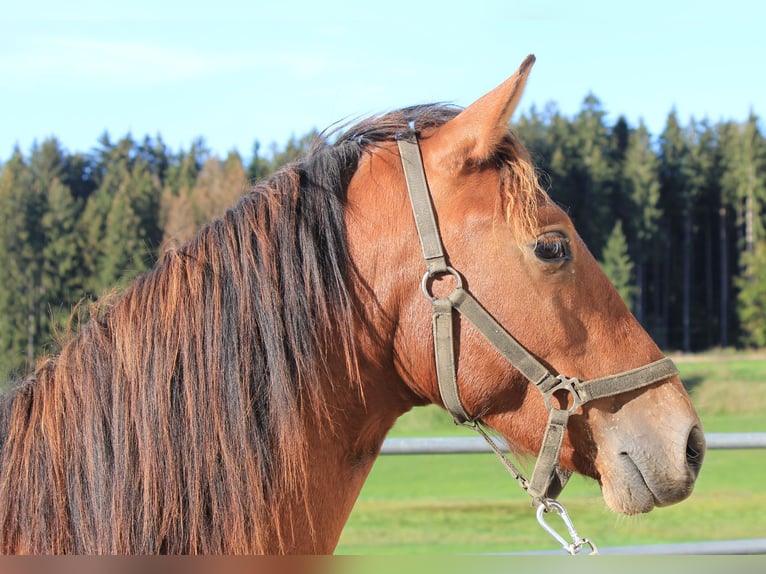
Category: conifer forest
[676,219]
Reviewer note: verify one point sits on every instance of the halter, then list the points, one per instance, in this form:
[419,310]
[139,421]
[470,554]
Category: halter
[547,478]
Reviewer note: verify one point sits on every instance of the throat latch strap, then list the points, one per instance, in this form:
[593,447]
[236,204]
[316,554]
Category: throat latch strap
[547,478]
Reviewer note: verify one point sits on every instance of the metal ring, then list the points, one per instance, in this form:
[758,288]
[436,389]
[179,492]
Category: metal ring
[429,275]
[565,384]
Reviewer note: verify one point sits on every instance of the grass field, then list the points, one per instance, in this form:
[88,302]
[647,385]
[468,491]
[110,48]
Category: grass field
[447,504]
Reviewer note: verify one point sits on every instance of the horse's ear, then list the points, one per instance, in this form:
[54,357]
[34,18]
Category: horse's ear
[473,135]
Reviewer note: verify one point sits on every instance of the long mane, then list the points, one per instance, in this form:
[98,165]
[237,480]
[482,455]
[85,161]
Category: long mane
[173,420]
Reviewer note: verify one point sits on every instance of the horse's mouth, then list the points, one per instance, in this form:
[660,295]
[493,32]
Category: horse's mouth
[625,489]
[631,488]
[644,496]
[639,474]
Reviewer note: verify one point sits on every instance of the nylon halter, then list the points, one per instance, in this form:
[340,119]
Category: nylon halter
[547,478]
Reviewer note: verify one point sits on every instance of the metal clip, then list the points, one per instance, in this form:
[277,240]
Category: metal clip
[577,543]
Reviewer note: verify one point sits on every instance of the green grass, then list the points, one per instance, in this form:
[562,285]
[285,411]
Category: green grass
[447,504]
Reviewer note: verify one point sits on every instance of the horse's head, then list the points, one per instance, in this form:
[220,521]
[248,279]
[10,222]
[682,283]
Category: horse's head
[519,255]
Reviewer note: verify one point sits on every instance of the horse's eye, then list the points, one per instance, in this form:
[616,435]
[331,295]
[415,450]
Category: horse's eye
[552,247]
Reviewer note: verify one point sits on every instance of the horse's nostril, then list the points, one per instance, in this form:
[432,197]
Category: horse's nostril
[695,450]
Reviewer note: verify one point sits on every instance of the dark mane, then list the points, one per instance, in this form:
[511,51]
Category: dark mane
[169,421]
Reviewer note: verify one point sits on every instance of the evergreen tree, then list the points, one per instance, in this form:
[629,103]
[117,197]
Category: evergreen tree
[108,172]
[583,172]
[17,265]
[641,187]
[564,187]
[536,131]
[617,265]
[57,255]
[124,253]
[61,258]
[745,182]
[673,151]
[700,196]
[751,299]
[184,168]
[619,141]
[79,176]
[120,224]
[145,194]
[155,153]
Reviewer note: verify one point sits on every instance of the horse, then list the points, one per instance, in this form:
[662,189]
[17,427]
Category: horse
[234,398]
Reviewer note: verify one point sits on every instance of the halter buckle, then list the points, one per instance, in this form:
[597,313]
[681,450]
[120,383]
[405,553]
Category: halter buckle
[568,384]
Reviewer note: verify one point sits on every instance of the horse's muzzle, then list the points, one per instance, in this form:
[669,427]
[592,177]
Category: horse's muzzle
[644,470]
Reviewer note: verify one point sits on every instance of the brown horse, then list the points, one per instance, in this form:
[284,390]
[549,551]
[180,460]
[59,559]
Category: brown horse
[233,399]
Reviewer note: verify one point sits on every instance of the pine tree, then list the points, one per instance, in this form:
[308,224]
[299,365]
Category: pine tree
[184,168]
[617,265]
[583,171]
[16,264]
[124,252]
[745,182]
[673,151]
[132,234]
[61,258]
[57,256]
[121,221]
[155,153]
[641,187]
[700,172]
[751,299]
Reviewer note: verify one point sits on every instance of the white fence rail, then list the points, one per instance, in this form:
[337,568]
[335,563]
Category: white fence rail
[475,444]
[715,441]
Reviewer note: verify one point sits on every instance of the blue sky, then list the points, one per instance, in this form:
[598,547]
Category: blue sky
[236,71]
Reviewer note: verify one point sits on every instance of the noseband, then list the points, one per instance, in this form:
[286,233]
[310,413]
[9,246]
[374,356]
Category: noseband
[547,478]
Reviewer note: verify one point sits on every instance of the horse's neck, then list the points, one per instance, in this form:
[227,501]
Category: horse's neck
[342,453]
[336,476]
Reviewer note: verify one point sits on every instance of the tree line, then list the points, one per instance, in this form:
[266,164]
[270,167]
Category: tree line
[676,221]
[77,226]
